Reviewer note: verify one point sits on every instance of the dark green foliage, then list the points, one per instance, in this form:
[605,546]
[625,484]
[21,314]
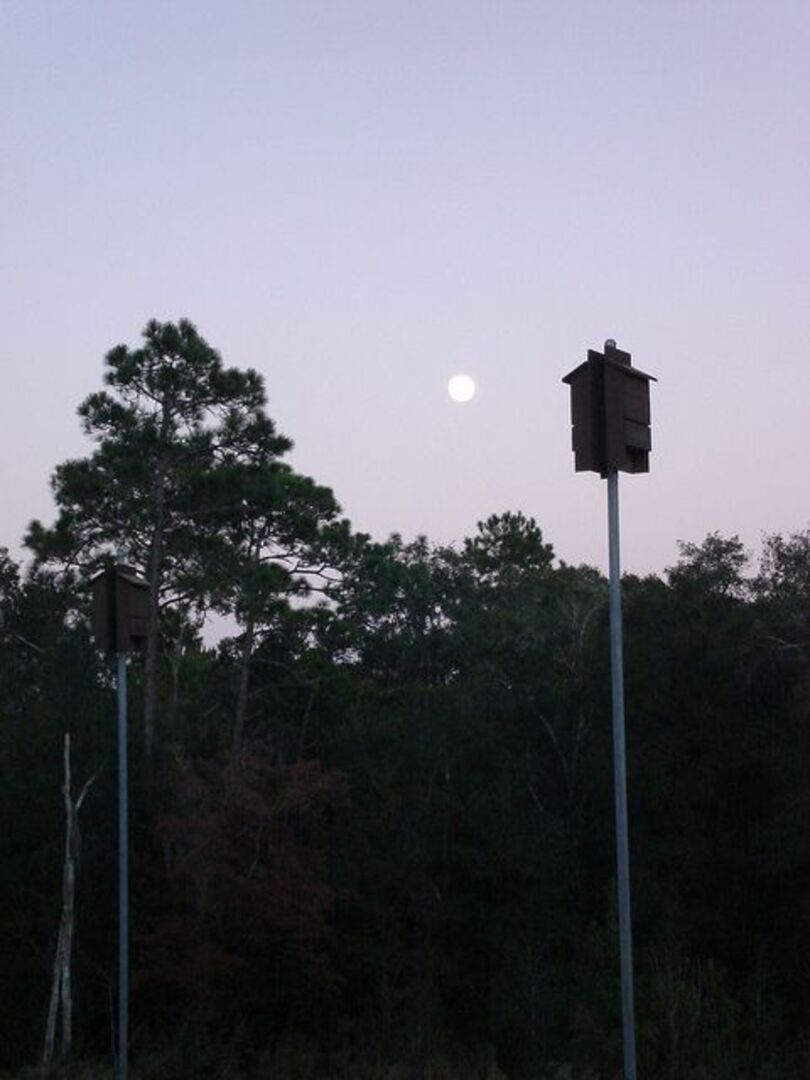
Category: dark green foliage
[375,837]
[50,682]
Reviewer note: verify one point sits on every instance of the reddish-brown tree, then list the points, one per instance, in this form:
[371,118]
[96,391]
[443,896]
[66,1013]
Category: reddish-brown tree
[250,899]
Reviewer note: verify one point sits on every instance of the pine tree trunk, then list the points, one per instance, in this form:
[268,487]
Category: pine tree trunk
[150,671]
[244,682]
[175,661]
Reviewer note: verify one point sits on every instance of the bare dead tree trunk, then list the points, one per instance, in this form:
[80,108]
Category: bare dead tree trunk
[61,990]
[53,1004]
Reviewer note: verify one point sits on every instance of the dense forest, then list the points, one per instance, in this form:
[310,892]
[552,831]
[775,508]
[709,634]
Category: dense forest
[372,828]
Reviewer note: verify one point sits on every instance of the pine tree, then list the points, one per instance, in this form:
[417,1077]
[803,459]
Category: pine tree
[158,428]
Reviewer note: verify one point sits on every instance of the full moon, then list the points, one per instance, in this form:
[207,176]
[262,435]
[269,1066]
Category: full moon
[461,388]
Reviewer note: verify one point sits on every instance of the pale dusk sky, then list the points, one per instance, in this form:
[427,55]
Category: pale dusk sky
[361,199]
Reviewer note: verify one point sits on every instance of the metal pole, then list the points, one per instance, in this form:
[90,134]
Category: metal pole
[123,874]
[620,781]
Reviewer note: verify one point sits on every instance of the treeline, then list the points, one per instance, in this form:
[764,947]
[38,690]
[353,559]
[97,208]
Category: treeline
[372,829]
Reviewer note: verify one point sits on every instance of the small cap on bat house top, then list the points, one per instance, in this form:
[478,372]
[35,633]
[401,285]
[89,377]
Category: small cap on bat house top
[610,413]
